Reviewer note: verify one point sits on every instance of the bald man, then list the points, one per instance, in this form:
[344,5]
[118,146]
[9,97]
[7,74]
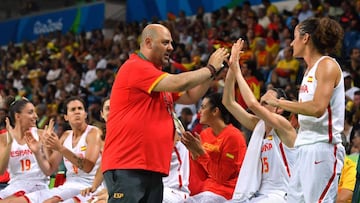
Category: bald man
[140,127]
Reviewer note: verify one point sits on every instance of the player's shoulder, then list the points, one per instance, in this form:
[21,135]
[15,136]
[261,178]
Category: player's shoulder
[65,135]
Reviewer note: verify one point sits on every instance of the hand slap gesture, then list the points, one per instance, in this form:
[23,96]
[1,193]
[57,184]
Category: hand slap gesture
[236,51]
[218,57]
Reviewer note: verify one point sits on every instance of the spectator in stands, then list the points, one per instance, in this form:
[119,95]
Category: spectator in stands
[354,104]
[55,72]
[350,89]
[353,65]
[263,59]
[286,70]
[271,9]
[305,11]
[347,181]
[90,74]
[98,88]
[355,139]
[264,20]
[186,117]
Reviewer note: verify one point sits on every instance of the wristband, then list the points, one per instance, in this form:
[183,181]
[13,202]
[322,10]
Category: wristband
[212,70]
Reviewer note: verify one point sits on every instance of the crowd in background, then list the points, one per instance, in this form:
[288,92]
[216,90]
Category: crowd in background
[57,66]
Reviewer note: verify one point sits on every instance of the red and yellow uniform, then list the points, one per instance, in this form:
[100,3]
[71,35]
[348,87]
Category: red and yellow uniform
[140,128]
[222,160]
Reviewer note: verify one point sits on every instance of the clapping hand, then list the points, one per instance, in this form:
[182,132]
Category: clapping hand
[10,132]
[193,144]
[51,139]
[47,131]
[32,143]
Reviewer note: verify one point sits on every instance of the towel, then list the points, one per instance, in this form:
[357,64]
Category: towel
[249,179]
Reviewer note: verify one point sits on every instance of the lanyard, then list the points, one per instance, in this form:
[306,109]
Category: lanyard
[142,56]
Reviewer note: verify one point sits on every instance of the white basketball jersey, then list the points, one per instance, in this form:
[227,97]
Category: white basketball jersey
[22,162]
[179,169]
[328,127]
[73,173]
[277,161]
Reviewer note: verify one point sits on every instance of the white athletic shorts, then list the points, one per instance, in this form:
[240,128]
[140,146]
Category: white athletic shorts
[66,191]
[271,197]
[316,173]
[206,197]
[19,188]
[87,198]
[172,195]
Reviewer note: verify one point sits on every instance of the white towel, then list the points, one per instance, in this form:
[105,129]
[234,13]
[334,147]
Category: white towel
[249,179]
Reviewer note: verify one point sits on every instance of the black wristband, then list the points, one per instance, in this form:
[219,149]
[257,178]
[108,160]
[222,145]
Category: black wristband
[212,70]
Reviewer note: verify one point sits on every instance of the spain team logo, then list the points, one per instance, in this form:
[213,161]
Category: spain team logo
[310,79]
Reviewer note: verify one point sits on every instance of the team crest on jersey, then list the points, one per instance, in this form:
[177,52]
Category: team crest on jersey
[304,89]
[270,137]
[310,79]
[231,156]
[83,148]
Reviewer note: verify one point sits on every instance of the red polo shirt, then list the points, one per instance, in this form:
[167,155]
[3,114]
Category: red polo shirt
[139,128]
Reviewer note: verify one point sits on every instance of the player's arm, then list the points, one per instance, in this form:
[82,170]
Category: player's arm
[96,183]
[92,152]
[5,149]
[282,126]
[328,76]
[6,139]
[187,80]
[194,94]
[246,119]
[47,158]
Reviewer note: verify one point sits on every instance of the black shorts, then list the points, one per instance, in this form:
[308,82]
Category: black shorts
[134,186]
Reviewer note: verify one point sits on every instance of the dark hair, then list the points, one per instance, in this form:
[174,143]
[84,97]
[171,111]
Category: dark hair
[355,131]
[103,101]
[251,65]
[2,119]
[280,93]
[103,127]
[70,99]
[357,92]
[326,34]
[215,99]
[15,106]
[187,111]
